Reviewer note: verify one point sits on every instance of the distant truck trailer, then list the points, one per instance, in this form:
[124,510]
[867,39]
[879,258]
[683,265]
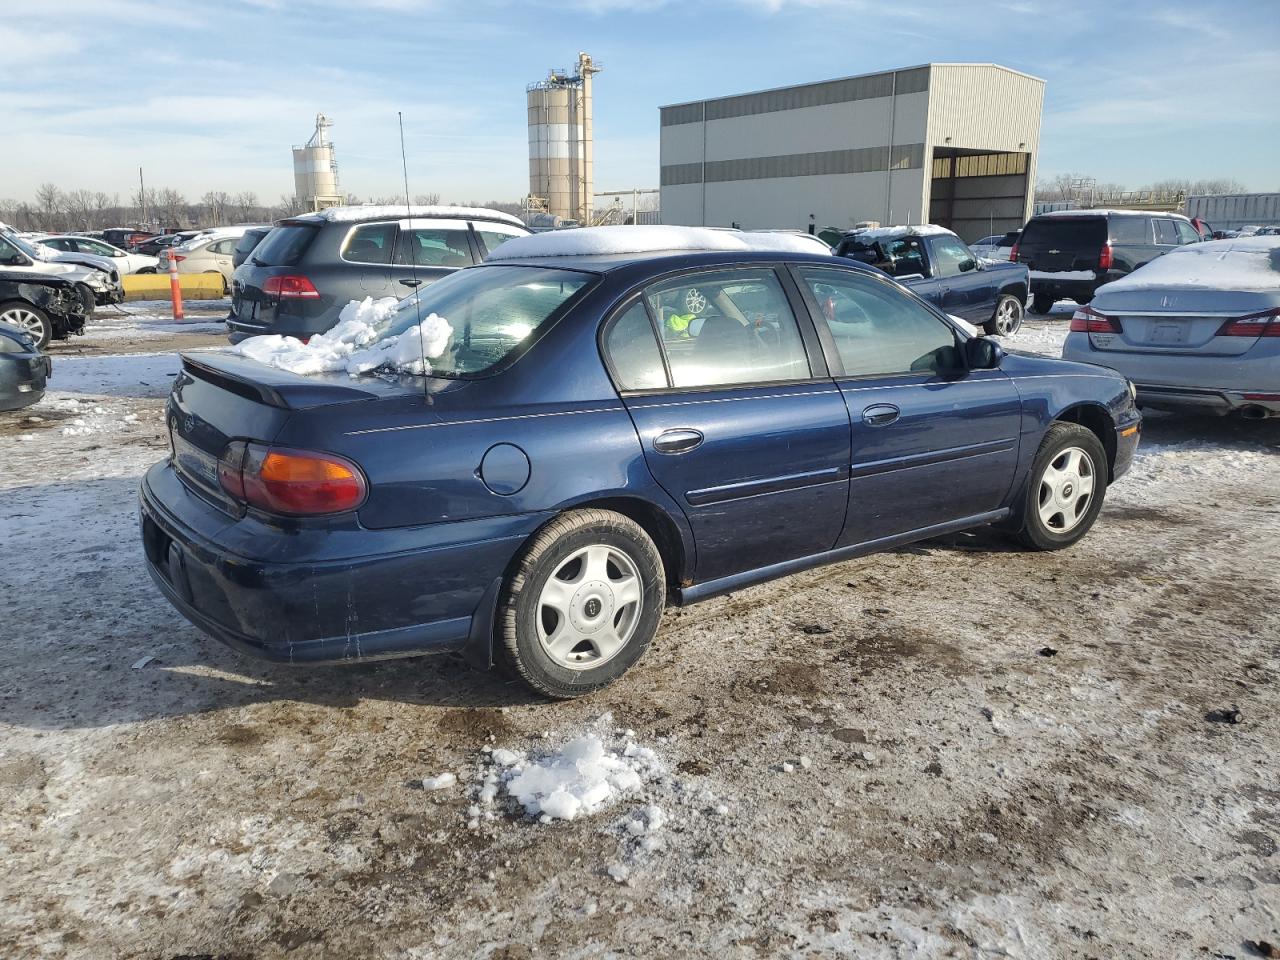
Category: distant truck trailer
[1231,211]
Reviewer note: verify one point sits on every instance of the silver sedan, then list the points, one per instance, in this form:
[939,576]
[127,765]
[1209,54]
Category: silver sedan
[1196,330]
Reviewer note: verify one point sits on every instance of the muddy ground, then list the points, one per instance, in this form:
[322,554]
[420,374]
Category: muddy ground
[988,753]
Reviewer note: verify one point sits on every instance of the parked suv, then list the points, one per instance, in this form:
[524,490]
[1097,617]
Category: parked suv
[309,267]
[1071,253]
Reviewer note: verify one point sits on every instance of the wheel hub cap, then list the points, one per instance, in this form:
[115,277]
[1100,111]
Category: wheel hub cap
[589,607]
[1066,490]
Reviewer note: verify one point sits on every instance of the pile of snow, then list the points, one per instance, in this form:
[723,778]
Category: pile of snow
[577,779]
[1247,263]
[888,233]
[374,211]
[602,241]
[353,344]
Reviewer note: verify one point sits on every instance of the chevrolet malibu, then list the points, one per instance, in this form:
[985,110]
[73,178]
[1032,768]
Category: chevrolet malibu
[553,445]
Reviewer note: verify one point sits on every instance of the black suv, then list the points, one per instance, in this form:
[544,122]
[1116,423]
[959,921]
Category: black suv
[1071,253]
[46,308]
[301,275]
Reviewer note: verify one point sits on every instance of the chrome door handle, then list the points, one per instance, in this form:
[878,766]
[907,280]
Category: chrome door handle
[880,414]
[677,441]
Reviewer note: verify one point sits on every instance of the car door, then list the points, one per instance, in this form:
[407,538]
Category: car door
[737,418]
[967,290]
[1166,235]
[932,443]
[428,249]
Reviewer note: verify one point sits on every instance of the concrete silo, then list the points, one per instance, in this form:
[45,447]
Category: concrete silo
[560,163]
[315,171]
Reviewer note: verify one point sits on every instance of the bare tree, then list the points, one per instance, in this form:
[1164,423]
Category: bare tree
[172,206]
[215,206]
[245,204]
[427,199]
[50,202]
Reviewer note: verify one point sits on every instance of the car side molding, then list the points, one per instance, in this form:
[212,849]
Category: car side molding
[749,578]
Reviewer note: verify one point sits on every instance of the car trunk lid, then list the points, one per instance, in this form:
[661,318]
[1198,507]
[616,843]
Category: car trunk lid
[218,398]
[1174,320]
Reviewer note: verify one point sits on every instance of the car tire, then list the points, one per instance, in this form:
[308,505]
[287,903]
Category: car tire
[608,596]
[29,318]
[1041,303]
[87,298]
[1006,319]
[1056,509]
[146,270]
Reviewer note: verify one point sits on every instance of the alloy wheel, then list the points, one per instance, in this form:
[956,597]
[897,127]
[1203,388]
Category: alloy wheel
[589,607]
[1008,317]
[1066,490]
[24,319]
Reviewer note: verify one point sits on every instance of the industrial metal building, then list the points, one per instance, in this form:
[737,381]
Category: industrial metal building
[947,143]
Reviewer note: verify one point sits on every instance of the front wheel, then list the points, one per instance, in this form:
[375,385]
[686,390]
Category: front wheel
[582,604]
[1007,318]
[30,319]
[1065,492]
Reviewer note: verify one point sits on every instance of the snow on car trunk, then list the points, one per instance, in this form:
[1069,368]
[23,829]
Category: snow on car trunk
[357,344]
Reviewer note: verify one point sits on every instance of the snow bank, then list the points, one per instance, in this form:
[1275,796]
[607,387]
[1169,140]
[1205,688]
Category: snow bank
[579,778]
[1247,263]
[354,345]
[601,241]
[402,211]
[919,229]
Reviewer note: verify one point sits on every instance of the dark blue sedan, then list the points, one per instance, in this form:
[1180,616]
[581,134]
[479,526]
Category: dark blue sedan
[605,433]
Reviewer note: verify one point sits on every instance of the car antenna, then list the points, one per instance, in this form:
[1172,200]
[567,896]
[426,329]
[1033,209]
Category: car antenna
[413,259]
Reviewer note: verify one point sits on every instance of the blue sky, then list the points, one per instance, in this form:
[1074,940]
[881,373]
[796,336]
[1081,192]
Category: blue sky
[211,95]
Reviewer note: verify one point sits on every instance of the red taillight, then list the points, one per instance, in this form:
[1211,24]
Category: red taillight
[294,483]
[293,287]
[1089,320]
[1013,253]
[176,257]
[1265,324]
[1104,257]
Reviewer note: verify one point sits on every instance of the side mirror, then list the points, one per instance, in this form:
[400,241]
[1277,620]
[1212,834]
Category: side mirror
[967,265]
[981,353]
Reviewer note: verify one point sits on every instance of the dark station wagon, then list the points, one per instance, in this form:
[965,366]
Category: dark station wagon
[605,433]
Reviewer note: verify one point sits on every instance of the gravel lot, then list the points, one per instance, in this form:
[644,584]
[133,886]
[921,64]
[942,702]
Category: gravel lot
[952,750]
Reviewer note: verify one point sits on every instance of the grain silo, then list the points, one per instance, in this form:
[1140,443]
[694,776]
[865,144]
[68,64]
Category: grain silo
[315,171]
[560,141]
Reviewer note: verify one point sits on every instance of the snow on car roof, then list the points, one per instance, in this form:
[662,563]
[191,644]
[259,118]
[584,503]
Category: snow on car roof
[1105,212]
[603,241]
[374,211]
[884,233]
[1249,263]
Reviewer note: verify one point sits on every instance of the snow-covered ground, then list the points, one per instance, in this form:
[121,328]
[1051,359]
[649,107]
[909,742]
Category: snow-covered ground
[953,750]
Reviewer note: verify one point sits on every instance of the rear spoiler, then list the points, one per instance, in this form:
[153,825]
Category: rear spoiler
[274,387]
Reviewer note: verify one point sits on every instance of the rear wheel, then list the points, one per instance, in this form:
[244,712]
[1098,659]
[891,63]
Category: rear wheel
[1041,303]
[28,318]
[1067,486]
[1007,318]
[582,605]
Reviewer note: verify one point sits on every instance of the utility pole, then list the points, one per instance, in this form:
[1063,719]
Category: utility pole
[142,198]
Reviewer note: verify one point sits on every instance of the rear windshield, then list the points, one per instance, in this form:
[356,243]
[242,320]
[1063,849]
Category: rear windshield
[284,246]
[1065,232]
[493,311]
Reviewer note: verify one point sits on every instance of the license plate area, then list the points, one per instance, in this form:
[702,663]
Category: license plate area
[197,465]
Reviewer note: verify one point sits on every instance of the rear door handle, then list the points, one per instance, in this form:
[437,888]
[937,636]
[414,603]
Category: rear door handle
[880,414]
[678,441]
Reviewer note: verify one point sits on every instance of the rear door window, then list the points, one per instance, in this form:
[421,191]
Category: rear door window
[493,235]
[633,352]
[285,246]
[728,327]
[1166,235]
[433,244]
[370,243]
[904,257]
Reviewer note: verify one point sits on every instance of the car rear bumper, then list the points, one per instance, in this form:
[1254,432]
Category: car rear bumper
[23,377]
[1216,402]
[418,591]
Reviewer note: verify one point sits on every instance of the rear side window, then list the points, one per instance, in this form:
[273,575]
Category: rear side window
[1130,230]
[493,235]
[370,243]
[878,330]
[284,246]
[433,247]
[633,351]
[1165,233]
[1065,233]
[728,327]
